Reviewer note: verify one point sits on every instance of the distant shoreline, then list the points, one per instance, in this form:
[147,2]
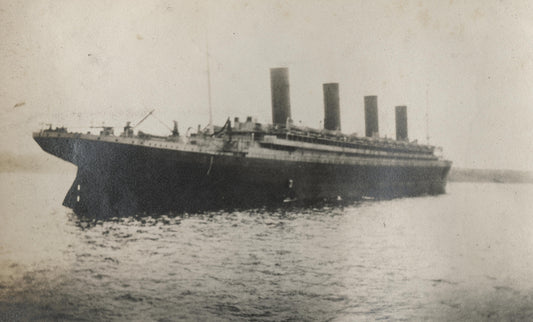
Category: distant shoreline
[489,175]
[10,162]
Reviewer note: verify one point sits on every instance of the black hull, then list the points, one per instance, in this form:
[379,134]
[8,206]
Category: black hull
[116,179]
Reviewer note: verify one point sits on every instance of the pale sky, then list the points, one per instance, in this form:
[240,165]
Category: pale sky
[82,63]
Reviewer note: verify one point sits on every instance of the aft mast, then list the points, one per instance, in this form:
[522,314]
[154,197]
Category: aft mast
[427,116]
[210,126]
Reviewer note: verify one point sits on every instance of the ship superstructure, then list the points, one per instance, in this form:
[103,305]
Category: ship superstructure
[245,162]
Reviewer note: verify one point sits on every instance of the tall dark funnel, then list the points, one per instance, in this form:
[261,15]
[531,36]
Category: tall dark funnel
[332,115]
[281,102]
[371,116]
[401,123]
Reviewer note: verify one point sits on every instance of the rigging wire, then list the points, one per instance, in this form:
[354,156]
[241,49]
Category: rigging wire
[153,115]
[163,123]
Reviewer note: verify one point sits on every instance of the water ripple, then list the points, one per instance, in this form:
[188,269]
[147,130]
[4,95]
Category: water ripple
[407,259]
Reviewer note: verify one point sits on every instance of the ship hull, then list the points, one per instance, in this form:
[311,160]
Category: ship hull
[117,178]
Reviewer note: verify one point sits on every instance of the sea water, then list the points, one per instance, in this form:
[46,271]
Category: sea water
[465,255]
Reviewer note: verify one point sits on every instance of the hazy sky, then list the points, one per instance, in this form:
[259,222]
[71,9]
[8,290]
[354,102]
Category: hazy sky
[81,63]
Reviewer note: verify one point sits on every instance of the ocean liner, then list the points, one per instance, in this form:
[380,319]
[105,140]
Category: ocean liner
[245,163]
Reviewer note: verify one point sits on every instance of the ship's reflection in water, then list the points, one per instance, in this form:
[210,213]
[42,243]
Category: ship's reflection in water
[84,220]
[464,255]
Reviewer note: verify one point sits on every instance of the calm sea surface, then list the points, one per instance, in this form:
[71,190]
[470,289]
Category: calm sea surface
[466,255]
